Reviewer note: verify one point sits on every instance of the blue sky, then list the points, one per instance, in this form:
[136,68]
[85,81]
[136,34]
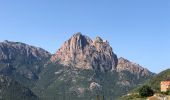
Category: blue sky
[138,30]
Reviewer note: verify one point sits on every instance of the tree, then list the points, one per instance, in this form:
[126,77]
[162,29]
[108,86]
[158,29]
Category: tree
[146,91]
[168,92]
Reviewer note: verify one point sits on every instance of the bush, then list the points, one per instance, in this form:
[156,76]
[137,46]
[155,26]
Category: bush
[168,92]
[146,91]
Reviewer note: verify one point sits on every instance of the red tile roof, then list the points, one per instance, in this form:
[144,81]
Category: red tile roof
[165,82]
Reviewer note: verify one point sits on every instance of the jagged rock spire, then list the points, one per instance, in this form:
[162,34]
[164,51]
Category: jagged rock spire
[98,39]
[81,52]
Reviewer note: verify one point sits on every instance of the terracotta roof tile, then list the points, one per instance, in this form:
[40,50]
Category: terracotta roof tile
[165,82]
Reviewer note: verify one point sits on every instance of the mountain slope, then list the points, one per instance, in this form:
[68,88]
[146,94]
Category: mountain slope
[12,90]
[80,76]
[22,62]
[80,69]
[57,81]
[126,65]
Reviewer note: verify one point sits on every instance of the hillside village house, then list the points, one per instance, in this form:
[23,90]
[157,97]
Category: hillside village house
[165,85]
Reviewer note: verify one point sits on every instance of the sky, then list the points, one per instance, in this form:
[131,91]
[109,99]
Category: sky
[138,30]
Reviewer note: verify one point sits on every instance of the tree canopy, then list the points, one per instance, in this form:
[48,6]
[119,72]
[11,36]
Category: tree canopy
[146,91]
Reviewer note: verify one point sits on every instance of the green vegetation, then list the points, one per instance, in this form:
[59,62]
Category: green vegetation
[166,93]
[153,83]
[145,91]
[60,82]
[23,70]
[12,90]
[56,82]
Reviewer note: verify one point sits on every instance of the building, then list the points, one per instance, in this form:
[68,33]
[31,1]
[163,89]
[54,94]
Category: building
[165,85]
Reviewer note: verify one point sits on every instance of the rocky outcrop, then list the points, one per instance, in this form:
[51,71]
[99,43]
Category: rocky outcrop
[10,50]
[126,65]
[95,85]
[82,52]
[21,59]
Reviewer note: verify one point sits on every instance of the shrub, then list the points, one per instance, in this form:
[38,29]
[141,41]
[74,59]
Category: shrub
[146,91]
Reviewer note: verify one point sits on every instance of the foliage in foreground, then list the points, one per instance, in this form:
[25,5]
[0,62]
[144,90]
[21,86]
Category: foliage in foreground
[146,91]
[153,83]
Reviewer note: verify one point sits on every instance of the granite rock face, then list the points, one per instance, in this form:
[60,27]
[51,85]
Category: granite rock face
[10,50]
[82,52]
[20,58]
[126,65]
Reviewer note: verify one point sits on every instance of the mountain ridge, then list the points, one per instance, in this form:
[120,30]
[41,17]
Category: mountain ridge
[19,60]
[124,64]
[81,51]
[45,73]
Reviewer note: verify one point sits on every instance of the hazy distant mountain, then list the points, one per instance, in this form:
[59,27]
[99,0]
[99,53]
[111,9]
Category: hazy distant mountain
[80,69]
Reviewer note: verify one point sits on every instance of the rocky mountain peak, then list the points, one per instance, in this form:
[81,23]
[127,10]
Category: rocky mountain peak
[79,41]
[98,39]
[123,60]
[81,52]
[102,46]
[6,41]
[78,34]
